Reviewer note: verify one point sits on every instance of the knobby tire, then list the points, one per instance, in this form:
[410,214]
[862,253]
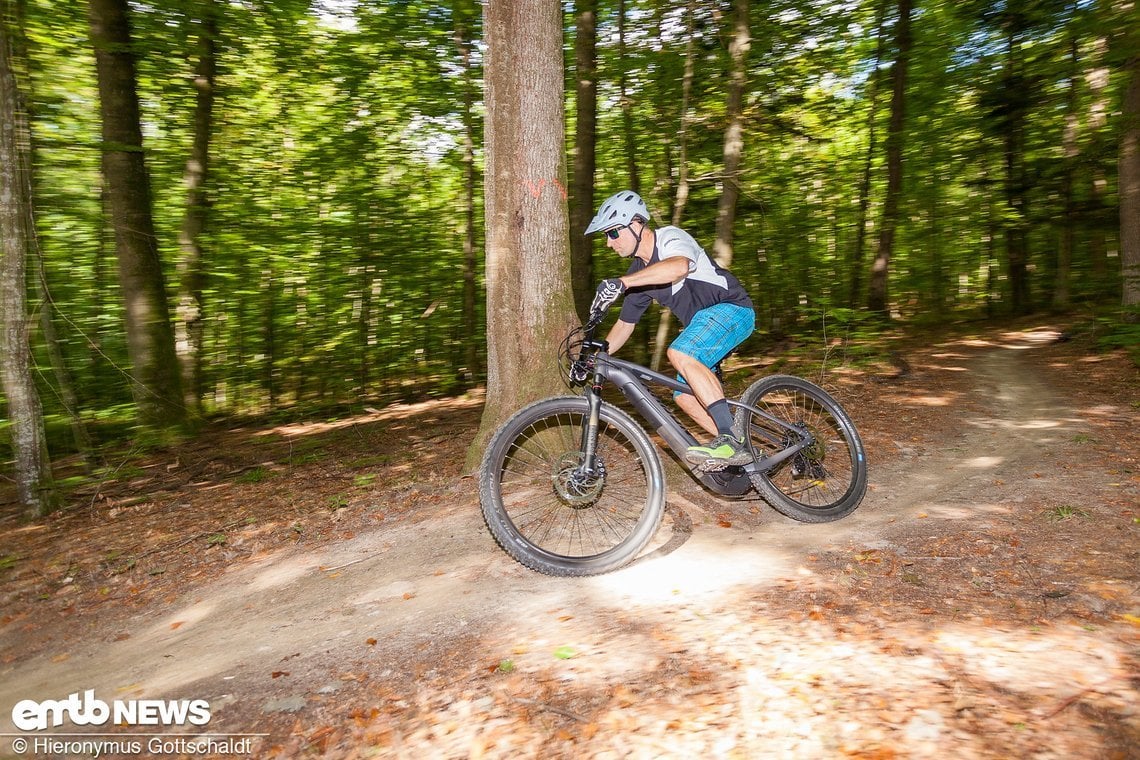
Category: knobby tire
[555,523]
[826,481]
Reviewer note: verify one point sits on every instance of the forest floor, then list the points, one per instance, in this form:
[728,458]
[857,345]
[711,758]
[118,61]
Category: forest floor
[330,589]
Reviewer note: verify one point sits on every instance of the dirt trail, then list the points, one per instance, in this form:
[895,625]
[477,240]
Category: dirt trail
[734,639]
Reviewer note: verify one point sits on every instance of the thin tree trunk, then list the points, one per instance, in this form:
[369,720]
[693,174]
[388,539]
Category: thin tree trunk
[857,254]
[189,327]
[1016,240]
[156,382]
[63,376]
[45,307]
[878,299]
[585,137]
[937,268]
[682,197]
[464,38]
[629,126]
[733,135]
[530,306]
[1129,178]
[1097,79]
[1063,268]
[34,485]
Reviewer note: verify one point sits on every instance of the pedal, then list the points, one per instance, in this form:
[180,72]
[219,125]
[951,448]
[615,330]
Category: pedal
[711,465]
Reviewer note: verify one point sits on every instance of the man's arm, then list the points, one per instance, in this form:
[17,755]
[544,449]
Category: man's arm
[664,272]
[618,335]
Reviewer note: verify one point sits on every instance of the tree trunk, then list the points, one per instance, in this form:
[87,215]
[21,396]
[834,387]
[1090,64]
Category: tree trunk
[1097,79]
[530,306]
[1070,152]
[156,383]
[1129,174]
[34,486]
[878,299]
[1013,134]
[682,196]
[585,138]
[733,135]
[189,327]
[629,126]
[465,11]
[854,297]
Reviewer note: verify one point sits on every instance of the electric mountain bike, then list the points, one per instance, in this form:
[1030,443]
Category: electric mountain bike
[573,485]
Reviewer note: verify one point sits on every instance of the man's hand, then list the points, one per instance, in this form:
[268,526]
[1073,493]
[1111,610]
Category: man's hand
[608,292]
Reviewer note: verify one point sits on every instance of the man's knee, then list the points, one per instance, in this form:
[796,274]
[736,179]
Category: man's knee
[678,359]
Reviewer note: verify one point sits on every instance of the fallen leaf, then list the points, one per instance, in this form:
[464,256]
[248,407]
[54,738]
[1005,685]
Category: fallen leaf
[371,642]
[564,652]
[279,673]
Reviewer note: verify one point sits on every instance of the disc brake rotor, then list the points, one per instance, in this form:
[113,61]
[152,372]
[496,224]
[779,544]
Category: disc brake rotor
[574,486]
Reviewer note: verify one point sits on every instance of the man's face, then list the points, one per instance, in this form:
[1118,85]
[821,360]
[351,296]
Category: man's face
[622,240]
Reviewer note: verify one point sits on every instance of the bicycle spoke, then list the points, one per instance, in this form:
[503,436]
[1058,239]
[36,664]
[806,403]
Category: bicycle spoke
[545,453]
[821,473]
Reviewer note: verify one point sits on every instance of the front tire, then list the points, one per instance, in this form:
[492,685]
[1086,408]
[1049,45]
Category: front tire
[825,481]
[546,514]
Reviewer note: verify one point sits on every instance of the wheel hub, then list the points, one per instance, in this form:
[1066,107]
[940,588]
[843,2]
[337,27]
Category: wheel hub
[573,485]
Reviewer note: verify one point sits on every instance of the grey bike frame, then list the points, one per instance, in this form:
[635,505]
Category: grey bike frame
[630,379]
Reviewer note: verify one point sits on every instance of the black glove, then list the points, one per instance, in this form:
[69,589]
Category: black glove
[608,292]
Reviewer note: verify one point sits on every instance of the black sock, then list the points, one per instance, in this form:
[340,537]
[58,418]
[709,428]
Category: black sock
[721,416]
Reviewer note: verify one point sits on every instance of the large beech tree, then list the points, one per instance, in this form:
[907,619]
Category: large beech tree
[530,306]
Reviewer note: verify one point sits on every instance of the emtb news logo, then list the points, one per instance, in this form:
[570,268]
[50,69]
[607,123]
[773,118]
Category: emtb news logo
[30,715]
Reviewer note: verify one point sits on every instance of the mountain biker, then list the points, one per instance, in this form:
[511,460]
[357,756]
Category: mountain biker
[668,266]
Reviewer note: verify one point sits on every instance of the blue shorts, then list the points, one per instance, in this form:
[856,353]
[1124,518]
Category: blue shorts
[714,332]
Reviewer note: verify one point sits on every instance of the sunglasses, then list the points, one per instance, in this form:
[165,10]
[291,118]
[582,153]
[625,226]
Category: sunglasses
[615,233]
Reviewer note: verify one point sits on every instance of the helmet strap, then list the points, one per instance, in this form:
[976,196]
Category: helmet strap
[637,236]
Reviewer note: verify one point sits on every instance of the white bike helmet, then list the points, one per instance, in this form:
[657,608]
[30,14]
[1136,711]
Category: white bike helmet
[619,210]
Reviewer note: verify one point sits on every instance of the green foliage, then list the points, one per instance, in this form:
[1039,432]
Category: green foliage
[334,246]
[1122,332]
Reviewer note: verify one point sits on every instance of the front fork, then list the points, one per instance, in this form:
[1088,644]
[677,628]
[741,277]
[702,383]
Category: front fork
[589,447]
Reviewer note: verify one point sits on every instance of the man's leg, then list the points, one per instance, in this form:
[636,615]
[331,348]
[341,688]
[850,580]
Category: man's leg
[706,389]
[690,406]
[707,339]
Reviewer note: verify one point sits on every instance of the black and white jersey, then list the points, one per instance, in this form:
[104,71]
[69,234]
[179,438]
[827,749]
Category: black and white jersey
[706,284]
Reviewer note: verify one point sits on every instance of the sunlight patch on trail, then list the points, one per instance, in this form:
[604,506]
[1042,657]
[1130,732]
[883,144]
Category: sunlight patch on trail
[697,570]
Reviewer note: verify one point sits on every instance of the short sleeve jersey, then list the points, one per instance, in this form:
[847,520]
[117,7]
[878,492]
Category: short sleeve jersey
[706,284]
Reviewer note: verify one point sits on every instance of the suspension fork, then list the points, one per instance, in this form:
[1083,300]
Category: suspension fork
[589,447]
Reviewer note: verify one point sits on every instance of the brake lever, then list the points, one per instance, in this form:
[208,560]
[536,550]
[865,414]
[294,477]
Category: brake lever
[592,323]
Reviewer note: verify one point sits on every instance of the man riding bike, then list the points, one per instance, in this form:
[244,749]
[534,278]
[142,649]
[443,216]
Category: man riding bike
[669,267]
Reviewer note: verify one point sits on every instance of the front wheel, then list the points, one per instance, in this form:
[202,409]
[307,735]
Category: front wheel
[550,514]
[824,481]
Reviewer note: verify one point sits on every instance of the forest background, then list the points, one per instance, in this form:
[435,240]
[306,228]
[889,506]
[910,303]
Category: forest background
[221,209]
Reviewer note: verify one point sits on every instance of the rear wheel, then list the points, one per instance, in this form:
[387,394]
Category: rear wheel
[824,481]
[551,515]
